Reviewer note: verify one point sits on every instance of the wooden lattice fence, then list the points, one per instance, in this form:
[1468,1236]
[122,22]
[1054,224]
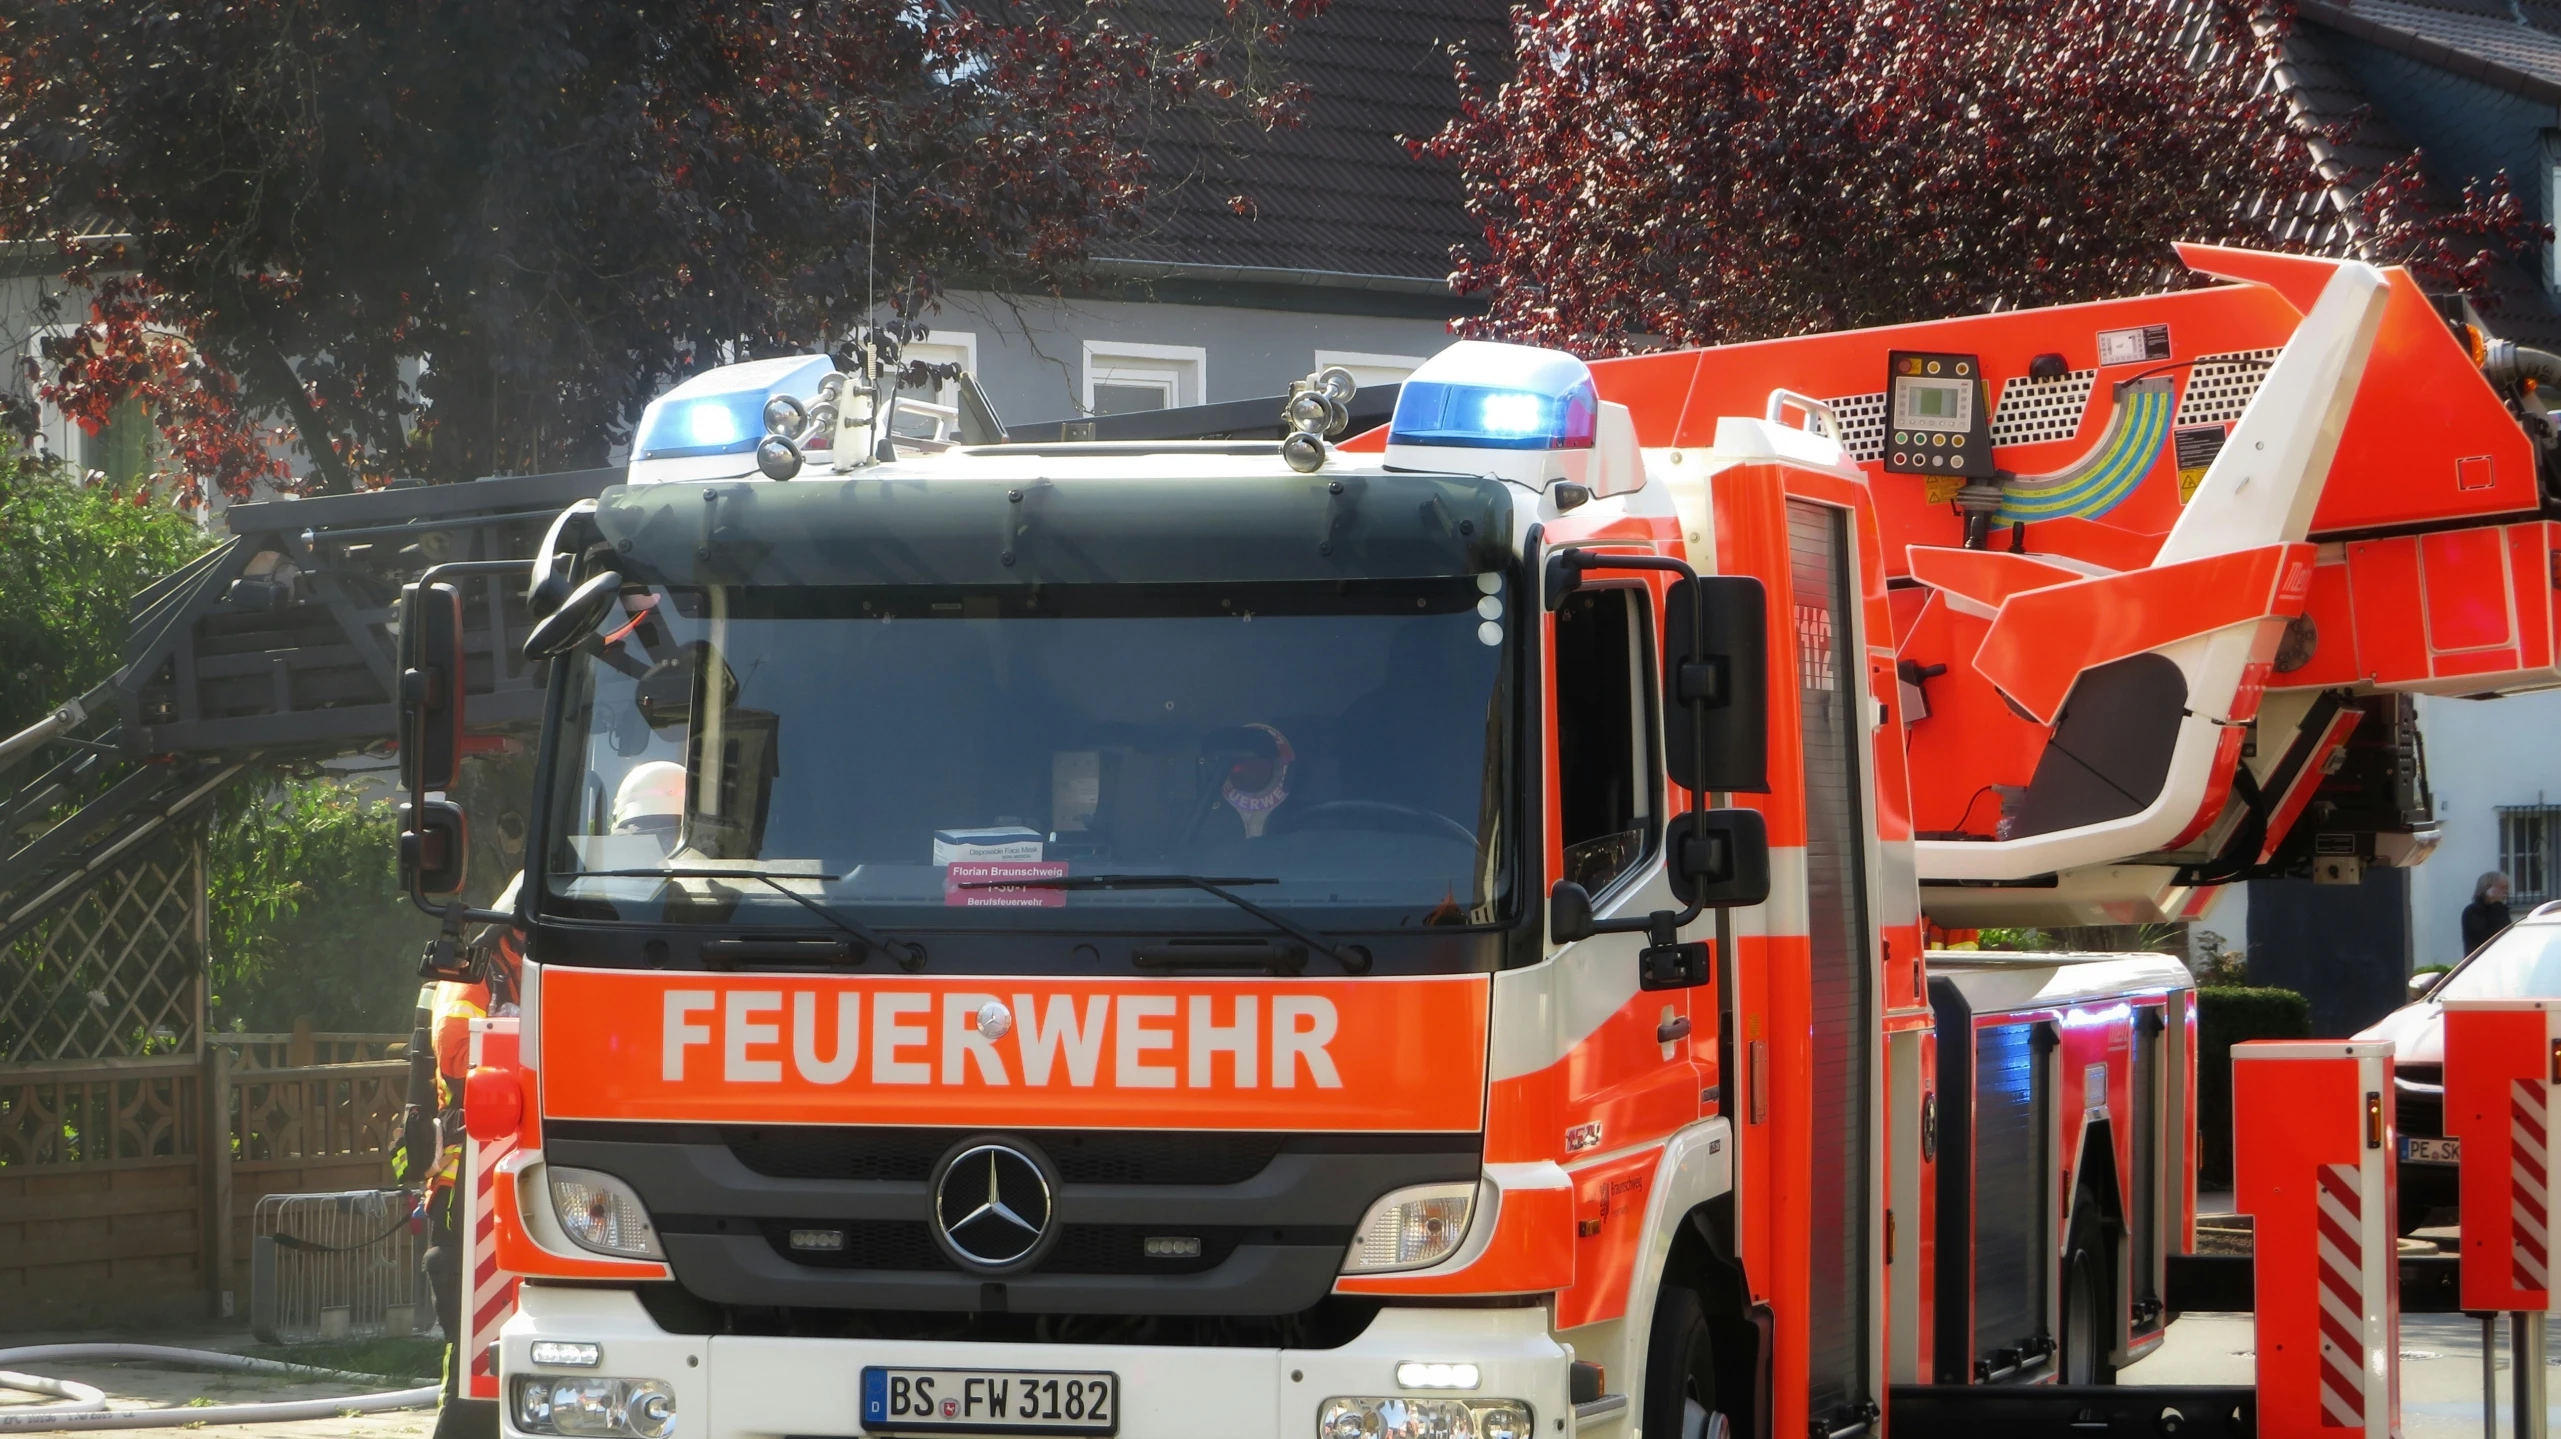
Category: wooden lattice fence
[117,972]
[113,1205]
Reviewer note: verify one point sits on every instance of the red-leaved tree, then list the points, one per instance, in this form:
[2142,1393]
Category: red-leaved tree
[456,237]
[1705,171]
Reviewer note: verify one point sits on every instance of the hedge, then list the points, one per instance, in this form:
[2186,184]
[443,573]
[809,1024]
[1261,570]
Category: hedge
[2227,1015]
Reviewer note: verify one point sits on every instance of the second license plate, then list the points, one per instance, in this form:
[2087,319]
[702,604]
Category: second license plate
[2431,1151]
[990,1401]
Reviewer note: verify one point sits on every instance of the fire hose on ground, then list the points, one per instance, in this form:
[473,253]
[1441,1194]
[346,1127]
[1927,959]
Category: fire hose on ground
[84,1406]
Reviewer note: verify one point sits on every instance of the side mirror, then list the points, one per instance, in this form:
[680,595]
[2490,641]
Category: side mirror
[1569,912]
[559,632]
[431,687]
[548,584]
[1716,722]
[434,842]
[1718,857]
[2422,982]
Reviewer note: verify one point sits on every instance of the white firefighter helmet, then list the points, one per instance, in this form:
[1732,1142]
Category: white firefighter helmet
[651,799]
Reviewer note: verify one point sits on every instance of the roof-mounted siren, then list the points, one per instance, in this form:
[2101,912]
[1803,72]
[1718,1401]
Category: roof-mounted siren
[1514,412]
[738,421]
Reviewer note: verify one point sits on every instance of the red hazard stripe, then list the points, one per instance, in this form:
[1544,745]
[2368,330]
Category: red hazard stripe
[2341,1190]
[2347,1340]
[488,1315]
[2349,1394]
[2346,1241]
[486,1271]
[2527,1120]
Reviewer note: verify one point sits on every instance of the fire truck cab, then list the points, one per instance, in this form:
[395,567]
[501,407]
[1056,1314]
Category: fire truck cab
[1417,937]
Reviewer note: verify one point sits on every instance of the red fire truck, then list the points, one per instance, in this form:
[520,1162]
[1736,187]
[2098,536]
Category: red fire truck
[1422,935]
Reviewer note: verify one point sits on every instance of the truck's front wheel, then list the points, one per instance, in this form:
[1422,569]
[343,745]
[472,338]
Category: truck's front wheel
[1680,1371]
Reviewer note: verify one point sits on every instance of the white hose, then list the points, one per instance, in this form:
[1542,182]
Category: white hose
[81,1406]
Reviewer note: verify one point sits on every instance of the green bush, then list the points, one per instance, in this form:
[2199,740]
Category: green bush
[2226,1015]
[77,554]
[306,916]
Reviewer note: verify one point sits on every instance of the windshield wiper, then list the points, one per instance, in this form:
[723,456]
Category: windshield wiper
[1353,958]
[910,956]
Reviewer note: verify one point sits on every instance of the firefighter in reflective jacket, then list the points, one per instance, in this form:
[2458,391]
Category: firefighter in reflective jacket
[449,1007]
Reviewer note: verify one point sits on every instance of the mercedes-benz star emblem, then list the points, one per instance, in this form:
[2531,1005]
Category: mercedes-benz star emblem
[992,1206]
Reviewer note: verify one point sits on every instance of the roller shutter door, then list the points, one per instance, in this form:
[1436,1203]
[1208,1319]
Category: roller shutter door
[2010,1245]
[1837,1362]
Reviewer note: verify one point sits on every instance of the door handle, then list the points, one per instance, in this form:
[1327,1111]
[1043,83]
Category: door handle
[1672,1029]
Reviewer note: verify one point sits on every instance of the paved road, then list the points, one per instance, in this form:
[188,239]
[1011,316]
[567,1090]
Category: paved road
[2440,1368]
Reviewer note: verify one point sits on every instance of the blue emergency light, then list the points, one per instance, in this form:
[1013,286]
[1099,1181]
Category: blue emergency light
[1481,396]
[722,411]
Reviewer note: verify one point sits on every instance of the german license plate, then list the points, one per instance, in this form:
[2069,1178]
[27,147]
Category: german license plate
[990,1401]
[2431,1151]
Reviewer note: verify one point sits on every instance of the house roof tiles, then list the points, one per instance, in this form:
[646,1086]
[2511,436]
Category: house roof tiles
[1337,194]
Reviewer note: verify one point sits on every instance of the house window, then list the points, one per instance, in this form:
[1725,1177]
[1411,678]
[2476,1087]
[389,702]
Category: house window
[1370,369]
[2552,209]
[938,347]
[1124,376]
[942,347]
[1607,771]
[2530,853]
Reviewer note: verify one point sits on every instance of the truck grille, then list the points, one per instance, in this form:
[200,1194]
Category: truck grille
[1271,1213]
[1096,1157]
[899,1245]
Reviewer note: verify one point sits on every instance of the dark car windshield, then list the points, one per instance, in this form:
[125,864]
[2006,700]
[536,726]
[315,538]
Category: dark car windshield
[911,755]
[2524,962]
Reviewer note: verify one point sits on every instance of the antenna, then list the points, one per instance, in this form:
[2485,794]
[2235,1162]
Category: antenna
[871,254]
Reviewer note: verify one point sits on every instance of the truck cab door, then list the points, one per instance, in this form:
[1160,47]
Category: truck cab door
[1633,1075]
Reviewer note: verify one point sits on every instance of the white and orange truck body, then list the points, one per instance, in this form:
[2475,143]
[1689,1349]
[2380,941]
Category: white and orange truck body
[1489,1167]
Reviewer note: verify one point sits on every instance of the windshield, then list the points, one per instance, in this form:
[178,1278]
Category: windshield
[2524,962]
[911,756]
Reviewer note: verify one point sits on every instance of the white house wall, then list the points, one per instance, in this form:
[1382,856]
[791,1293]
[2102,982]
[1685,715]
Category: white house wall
[2482,754]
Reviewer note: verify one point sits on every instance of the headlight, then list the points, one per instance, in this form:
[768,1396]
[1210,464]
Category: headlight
[600,1212]
[607,1408]
[1411,1228]
[1367,1418]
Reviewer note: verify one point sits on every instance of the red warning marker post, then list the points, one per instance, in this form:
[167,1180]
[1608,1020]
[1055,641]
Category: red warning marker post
[490,1291]
[2502,1061]
[2312,1163]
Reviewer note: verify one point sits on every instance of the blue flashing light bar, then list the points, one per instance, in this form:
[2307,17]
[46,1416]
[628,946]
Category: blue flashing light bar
[1481,396]
[722,412]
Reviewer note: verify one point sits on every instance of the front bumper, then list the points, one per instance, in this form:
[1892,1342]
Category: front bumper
[734,1387]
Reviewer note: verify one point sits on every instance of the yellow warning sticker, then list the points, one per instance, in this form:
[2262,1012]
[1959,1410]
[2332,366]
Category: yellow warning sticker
[2196,447]
[1940,489]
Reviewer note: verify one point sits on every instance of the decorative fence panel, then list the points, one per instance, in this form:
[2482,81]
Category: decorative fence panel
[111,1203]
[102,1199]
[118,971]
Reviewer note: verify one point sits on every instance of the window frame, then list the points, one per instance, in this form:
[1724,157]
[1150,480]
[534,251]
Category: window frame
[1359,360]
[1182,369]
[2544,820]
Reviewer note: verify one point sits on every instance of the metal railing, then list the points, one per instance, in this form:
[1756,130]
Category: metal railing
[346,1265]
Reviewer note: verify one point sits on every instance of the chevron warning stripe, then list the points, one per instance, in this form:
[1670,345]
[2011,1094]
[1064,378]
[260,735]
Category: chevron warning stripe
[2529,1182]
[492,1291]
[2342,1299]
